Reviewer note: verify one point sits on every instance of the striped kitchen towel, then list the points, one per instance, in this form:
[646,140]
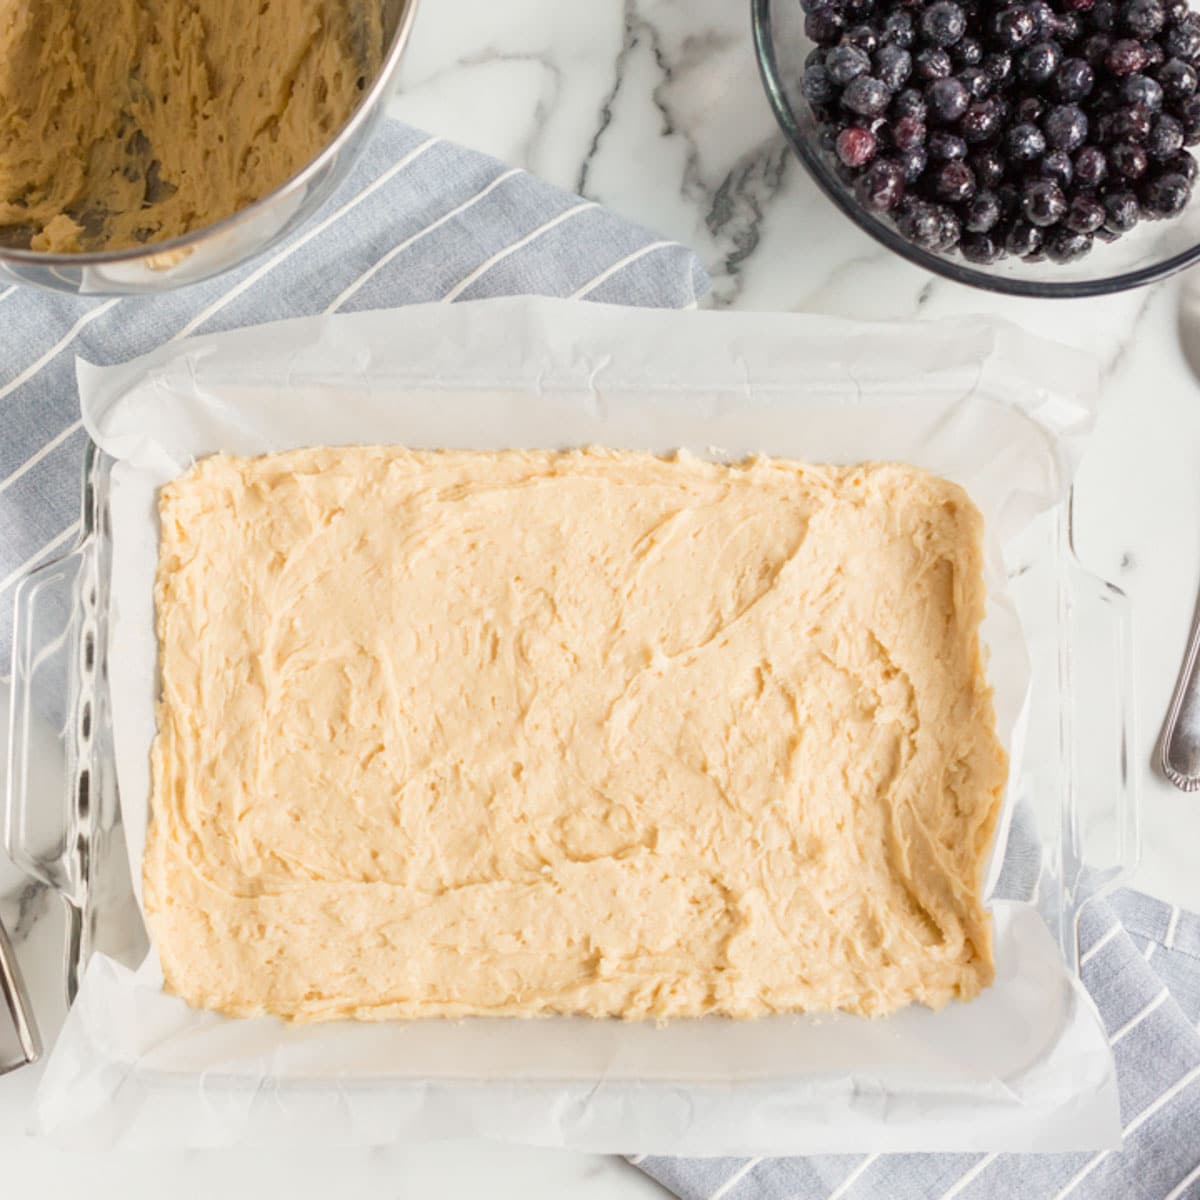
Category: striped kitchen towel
[419,219]
[1140,960]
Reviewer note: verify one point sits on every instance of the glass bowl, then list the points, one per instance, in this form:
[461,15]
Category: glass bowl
[1151,251]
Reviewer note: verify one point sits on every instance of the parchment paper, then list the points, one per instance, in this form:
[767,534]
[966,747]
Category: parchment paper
[1026,1066]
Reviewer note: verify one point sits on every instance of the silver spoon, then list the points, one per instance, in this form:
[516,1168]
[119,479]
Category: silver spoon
[1181,733]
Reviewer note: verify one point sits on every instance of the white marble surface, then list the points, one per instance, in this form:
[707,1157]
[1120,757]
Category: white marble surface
[654,108]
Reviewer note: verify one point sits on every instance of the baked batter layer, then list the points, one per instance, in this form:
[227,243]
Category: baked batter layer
[588,732]
[125,122]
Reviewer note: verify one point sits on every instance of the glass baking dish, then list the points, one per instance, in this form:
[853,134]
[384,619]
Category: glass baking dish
[1072,798]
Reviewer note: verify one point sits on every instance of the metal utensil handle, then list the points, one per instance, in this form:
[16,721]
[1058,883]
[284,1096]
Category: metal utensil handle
[1180,737]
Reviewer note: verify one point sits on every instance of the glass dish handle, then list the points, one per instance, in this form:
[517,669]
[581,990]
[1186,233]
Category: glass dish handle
[41,820]
[1098,726]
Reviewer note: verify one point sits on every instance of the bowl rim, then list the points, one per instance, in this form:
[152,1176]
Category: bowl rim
[371,99]
[957,272]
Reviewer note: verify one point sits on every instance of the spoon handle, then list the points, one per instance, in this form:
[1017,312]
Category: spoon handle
[1181,734]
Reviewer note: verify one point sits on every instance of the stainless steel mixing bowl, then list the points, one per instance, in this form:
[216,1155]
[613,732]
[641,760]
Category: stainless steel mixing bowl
[224,244]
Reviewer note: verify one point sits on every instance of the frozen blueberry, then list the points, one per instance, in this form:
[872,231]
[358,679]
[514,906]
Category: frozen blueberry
[1085,214]
[1056,165]
[998,66]
[1064,245]
[943,23]
[920,222]
[1166,137]
[1181,164]
[817,87]
[855,146]
[907,133]
[1029,109]
[1126,56]
[859,10]
[979,248]
[976,80]
[982,213]
[881,185]
[893,65]
[932,63]
[1067,27]
[1141,89]
[1036,64]
[1095,48]
[1025,142]
[1182,40]
[1120,211]
[1142,18]
[944,146]
[1065,127]
[1023,239]
[981,121]
[1177,79]
[844,63]
[1043,17]
[1091,166]
[1104,15]
[1189,115]
[1130,124]
[866,96]
[898,29]
[861,37]
[967,52]
[1127,161]
[1043,202]
[1013,26]
[913,163]
[910,103]
[954,182]
[988,167]
[949,229]
[824,25]
[1165,195]
[1074,80]
[948,99]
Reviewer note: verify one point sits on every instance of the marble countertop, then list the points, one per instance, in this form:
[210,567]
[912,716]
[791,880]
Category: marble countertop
[654,108]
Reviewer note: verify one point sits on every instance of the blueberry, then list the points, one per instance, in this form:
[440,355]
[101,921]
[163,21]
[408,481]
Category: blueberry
[861,37]
[1065,127]
[1182,40]
[981,122]
[1023,239]
[982,213]
[1013,26]
[881,185]
[1130,124]
[999,67]
[1091,166]
[949,229]
[824,25]
[1177,79]
[1044,17]
[933,63]
[1056,165]
[1030,109]
[1176,10]
[1043,202]
[1025,142]
[1127,161]
[858,10]
[893,65]
[1085,214]
[1166,195]
[954,182]
[967,52]
[1155,55]
[817,87]
[1038,63]
[866,96]
[1126,57]
[979,248]
[988,167]
[1104,15]
[943,23]
[898,29]
[844,63]
[1141,89]
[1166,137]
[976,80]
[944,146]
[1120,212]
[1074,80]
[920,222]
[1095,49]
[1182,164]
[913,163]
[1064,245]
[855,146]
[1143,18]
[908,133]
[1067,27]
[1189,114]
[948,100]
[910,103]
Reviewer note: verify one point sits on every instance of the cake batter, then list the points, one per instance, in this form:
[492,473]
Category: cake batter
[125,122]
[591,732]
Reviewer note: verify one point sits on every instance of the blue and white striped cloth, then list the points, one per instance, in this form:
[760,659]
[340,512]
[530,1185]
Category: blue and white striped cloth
[419,219]
[422,220]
